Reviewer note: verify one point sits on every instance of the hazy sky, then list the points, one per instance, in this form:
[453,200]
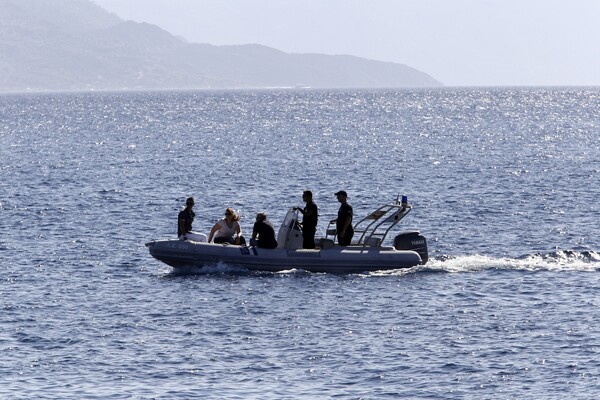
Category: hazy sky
[459,42]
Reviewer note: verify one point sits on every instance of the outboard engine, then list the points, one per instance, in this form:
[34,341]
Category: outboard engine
[412,240]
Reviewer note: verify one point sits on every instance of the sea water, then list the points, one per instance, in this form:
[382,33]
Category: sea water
[504,183]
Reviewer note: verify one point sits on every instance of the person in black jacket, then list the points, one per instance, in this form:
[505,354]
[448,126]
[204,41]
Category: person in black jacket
[185,219]
[343,225]
[263,233]
[309,220]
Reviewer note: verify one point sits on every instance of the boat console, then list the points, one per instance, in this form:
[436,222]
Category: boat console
[290,233]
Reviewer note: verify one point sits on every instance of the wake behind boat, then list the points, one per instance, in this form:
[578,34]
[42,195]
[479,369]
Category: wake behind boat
[366,254]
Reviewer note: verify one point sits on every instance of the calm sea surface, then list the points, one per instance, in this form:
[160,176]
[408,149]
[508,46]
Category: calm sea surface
[505,185]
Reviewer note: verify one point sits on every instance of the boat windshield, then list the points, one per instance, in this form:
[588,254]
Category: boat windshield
[290,217]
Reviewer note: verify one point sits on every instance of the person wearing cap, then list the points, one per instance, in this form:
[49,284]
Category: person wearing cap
[185,219]
[310,215]
[263,233]
[344,220]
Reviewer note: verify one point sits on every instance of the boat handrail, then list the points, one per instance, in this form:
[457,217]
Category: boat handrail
[373,229]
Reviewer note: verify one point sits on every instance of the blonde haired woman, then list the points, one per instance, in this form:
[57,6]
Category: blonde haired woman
[228,229]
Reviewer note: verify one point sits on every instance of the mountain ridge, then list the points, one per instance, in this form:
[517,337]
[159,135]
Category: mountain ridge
[55,45]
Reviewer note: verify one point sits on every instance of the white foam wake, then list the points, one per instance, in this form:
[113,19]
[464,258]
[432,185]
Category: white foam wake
[557,261]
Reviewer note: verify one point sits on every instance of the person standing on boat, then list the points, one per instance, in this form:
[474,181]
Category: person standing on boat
[343,225]
[228,229]
[310,216]
[185,219]
[263,233]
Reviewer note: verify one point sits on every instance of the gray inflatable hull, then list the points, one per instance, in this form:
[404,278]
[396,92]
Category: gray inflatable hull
[351,259]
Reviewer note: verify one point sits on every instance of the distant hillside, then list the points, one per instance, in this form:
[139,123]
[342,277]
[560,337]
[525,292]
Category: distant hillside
[76,45]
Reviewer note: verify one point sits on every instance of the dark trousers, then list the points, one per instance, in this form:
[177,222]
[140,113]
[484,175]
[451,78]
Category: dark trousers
[347,238]
[308,236]
[230,240]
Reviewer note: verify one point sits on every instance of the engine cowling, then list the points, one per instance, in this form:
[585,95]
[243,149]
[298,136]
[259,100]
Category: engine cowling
[412,240]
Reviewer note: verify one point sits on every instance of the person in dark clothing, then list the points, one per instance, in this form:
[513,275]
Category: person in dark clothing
[263,233]
[310,218]
[185,219]
[343,225]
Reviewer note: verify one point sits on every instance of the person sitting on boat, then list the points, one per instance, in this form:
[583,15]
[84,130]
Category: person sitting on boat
[310,215]
[228,229]
[343,225]
[263,233]
[184,223]
[185,219]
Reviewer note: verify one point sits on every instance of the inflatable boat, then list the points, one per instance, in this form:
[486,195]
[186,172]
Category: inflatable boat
[366,253]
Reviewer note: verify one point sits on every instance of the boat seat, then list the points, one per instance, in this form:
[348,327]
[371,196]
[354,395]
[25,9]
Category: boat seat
[373,241]
[325,244]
